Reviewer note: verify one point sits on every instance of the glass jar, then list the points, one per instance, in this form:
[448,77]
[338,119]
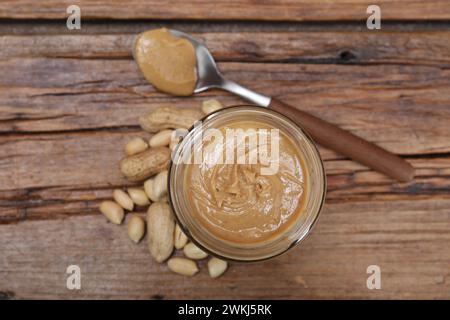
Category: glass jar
[314,196]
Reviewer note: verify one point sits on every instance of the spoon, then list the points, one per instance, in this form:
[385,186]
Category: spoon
[321,131]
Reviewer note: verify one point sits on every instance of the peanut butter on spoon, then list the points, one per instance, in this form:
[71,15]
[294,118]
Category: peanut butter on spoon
[166,61]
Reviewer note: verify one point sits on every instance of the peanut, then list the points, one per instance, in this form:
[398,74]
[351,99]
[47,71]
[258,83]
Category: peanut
[138,196]
[209,106]
[136,228]
[123,199]
[216,267]
[170,118]
[148,188]
[156,188]
[135,146]
[180,239]
[183,266]
[145,164]
[160,229]
[159,187]
[161,139]
[192,251]
[112,211]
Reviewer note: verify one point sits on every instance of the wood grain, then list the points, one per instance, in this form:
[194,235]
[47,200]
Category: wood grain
[408,240]
[349,47]
[68,104]
[286,10]
[49,176]
[95,94]
[85,110]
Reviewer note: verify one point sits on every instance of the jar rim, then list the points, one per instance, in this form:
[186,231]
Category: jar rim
[305,229]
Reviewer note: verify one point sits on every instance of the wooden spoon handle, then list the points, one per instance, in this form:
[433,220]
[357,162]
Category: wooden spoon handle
[347,143]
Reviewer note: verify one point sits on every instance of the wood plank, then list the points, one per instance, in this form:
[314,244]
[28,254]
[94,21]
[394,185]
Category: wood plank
[110,27]
[67,110]
[78,94]
[427,48]
[51,176]
[286,10]
[408,240]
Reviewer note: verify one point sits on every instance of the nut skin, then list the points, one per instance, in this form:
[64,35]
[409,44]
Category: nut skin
[136,228]
[143,165]
[112,211]
[123,199]
[160,229]
[183,266]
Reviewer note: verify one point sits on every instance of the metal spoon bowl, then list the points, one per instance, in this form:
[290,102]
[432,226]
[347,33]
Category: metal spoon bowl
[210,77]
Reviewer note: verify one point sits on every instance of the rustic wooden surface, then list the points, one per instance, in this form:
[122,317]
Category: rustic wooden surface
[278,10]
[69,101]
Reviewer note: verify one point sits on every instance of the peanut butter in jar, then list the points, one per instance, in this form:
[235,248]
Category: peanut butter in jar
[246,211]
[239,201]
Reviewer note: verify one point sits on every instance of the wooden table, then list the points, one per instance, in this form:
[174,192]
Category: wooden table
[69,100]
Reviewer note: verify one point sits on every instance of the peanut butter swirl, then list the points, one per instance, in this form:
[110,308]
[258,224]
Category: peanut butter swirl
[237,203]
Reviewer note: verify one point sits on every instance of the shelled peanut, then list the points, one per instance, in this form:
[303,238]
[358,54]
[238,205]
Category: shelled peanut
[180,239]
[161,139]
[183,266]
[147,163]
[210,106]
[193,252]
[136,228]
[123,199]
[156,188]
[112,211]
[161,226]
[216,267]
[135,146]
